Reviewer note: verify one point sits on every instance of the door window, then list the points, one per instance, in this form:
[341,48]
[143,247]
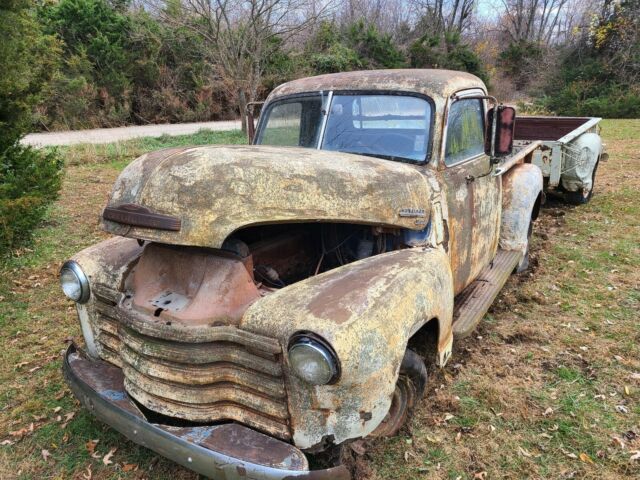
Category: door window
[293,123]
[465,131]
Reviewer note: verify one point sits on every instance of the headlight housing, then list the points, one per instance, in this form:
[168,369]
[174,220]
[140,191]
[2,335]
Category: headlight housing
[74,282]
[313,360]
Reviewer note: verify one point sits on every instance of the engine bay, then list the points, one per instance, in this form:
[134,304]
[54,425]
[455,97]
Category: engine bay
[199,286]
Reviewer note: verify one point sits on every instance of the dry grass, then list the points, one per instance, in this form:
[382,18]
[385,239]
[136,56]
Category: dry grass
[540,391]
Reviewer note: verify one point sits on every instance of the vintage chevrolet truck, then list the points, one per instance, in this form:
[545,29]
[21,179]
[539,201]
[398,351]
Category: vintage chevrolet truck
[261,304]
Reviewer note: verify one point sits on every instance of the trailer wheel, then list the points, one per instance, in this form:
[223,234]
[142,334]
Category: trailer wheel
[409,390]
[583,195]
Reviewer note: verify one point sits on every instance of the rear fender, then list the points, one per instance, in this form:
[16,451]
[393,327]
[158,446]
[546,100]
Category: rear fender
[367,311]
[580,159]
[521,189]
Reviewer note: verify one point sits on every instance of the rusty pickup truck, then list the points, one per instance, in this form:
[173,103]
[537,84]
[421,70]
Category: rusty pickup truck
[260,304]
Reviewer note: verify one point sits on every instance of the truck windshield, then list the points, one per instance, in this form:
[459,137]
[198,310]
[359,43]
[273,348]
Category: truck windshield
[395,127]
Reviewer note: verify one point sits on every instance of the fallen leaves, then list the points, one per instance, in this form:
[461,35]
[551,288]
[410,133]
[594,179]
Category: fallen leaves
[622,409]
[45,455]
[91,448]
[358,447]
[129,467]
[585,458]
[89,474]
[107,458]
[524,452]
[67,418]
[23,432]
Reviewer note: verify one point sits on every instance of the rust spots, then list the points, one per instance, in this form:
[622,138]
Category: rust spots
[434,83]
[191,286]
[217,190]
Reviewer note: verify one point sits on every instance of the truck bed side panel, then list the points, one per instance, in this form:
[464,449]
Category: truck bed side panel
[547,128]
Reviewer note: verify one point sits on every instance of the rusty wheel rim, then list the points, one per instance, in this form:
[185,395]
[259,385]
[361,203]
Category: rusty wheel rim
[402,402]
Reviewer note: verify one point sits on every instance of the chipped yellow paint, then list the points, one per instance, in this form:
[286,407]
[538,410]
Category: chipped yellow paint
[217,190]
[521,185]
[366,310]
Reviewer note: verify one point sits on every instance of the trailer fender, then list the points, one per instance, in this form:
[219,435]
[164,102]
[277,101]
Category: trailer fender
[366,311]
[580,159]
[521,192]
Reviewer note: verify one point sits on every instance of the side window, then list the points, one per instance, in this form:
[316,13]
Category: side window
[465,131]
[293,123]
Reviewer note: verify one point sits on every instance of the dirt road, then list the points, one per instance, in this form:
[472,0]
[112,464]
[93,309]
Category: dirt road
[110,135]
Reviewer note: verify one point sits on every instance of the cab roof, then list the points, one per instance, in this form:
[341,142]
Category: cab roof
[437,84]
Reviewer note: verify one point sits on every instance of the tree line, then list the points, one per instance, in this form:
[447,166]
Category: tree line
[115,62]
[70,64]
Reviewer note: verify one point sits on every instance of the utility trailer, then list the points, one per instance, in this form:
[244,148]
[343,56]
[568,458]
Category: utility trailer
[569,154]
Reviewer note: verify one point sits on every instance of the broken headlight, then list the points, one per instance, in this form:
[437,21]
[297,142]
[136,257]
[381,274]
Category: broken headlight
[313,360]
[74,282]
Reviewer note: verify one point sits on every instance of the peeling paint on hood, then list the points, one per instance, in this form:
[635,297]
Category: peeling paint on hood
[215,190]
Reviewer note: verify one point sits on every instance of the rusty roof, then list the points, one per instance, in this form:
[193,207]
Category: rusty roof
[431,82]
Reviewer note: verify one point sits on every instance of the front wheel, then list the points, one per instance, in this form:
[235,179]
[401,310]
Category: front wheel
[408,392]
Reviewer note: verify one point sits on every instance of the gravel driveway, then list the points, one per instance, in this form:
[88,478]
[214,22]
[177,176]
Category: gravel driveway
[110,135]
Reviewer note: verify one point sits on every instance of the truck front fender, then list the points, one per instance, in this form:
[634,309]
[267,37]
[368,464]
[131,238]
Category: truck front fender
[367,311]
[105,264]
[521,189]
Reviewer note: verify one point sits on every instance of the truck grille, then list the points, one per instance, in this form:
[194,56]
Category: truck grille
[232,376]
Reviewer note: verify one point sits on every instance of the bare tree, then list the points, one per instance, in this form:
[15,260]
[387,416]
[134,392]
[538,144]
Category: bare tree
[241,35]
[446,16]
[387,15]
[538,21]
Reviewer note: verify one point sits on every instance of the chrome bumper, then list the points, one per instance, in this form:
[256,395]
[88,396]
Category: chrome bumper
[225,452]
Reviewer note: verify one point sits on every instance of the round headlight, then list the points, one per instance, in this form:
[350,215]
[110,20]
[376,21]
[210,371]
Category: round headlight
[313,360]
[74,282]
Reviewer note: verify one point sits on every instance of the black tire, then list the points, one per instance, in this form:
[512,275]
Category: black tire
[582,196]
[524,263]
[409,390]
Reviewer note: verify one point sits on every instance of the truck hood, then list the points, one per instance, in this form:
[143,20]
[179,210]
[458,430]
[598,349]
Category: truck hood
[206,193]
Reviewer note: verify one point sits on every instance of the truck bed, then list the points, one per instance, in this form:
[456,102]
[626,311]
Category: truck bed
[555,129]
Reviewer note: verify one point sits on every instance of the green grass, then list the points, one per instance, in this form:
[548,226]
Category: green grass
[121,153]
[538,389]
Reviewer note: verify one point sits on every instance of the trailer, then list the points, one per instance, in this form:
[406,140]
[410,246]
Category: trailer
[569,154]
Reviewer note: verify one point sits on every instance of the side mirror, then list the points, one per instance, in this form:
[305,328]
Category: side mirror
[251,123]
[499,137]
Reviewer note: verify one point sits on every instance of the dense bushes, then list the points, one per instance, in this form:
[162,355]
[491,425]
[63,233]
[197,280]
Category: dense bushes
[600,75]
[29,179]
[120,66]
[357,47]
[117,64]
[448,52]
[111,62]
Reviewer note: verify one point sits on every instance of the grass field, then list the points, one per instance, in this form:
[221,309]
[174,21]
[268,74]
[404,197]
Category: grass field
[548,387]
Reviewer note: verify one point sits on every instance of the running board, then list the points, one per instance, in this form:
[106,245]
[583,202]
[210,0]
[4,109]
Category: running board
[474,301]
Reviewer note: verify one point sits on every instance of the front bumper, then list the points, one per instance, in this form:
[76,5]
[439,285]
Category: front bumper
[225,452]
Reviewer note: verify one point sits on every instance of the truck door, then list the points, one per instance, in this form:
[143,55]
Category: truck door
[473,193]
